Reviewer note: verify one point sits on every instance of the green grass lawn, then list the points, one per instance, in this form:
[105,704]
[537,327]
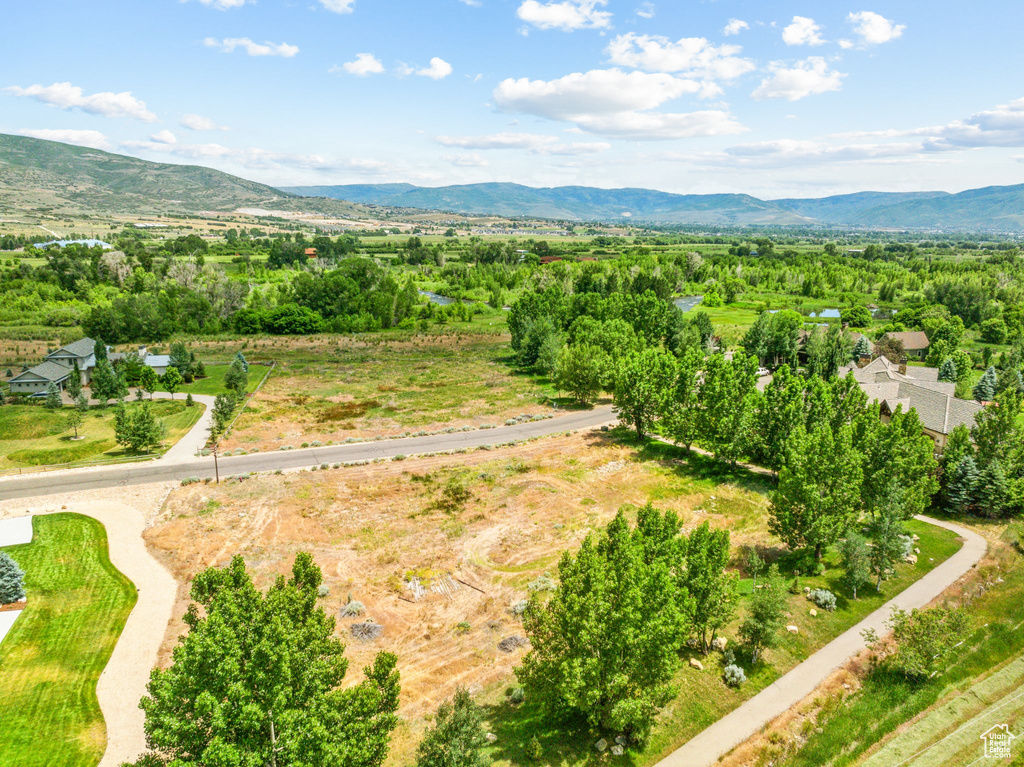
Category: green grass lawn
[32,435]
[53,656]
[213,384]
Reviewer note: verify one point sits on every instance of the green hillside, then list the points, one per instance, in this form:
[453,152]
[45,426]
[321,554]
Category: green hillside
[51,177]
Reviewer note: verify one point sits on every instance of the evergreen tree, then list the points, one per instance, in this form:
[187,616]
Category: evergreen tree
[818,495]
[643,388]
[236,380]
[985,389]
[457,738]
[181,360]
[99,350]
[947,371]
[993,490]
[856,561]
[241,359]
[12,580]
[962,486]
[223,409]
[258,680]
[862,348]
[74,383]
[53,400]
[760,628]
[82,403]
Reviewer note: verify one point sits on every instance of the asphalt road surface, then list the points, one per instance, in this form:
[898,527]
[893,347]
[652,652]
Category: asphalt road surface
[71,480]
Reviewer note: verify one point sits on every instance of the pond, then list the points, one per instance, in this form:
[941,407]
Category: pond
[437,298]
[687,303]
[826,314]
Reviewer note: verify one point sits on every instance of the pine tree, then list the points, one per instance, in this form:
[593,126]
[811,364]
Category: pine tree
[74,384]
[962,486]
[985,389]
[12,580]
[53,401]
[993,490]
[947,371]
[82,403]
[862,348]
[241,358]
[457,739]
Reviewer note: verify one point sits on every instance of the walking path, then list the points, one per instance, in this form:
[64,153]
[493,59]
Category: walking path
[734,728]
[123,682]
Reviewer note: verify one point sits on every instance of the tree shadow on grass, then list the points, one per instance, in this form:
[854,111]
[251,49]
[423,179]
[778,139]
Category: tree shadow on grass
[562,743]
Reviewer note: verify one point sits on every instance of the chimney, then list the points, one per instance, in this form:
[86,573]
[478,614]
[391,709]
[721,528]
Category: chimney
[142,352]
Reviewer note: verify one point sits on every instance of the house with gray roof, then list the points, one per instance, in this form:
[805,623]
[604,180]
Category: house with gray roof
[82,352]
[37,380]
[901,386]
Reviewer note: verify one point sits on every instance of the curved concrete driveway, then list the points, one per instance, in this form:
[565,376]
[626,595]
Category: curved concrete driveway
[165,470]
[735,727]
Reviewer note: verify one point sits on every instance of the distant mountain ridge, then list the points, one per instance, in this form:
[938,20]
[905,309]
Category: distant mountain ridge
[997,208]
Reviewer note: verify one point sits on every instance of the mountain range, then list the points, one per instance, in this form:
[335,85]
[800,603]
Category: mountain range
[995,208]
[53,177]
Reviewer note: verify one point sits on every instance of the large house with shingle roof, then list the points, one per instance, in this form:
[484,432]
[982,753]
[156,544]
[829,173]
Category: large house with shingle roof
[59,365]
[894,386]
[915,342]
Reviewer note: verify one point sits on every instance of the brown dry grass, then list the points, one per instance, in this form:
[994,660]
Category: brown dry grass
[370,528]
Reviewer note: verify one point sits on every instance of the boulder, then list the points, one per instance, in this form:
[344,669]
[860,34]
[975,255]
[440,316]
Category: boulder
[694,663]
[620,739]
[490,737]
[814,613]
[792,629]
[912,559]
[719,643]
[618,750]
[601,746]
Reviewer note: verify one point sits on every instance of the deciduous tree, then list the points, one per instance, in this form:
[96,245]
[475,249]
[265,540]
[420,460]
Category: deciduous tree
[457,738]
[644,387]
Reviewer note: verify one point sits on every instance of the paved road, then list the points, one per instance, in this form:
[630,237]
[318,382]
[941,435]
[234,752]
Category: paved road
[741,723]
[71,480]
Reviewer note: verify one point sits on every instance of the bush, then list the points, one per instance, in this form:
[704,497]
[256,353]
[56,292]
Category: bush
[824,599]
[353,609]
[12,580]
[323,590]
[734,675]
[533,750]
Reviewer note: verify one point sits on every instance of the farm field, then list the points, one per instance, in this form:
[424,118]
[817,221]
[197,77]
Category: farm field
[483,529]
[53,656]
[330,388]
[32,435]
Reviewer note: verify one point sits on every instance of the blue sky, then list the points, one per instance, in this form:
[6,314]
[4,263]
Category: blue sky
[769,98]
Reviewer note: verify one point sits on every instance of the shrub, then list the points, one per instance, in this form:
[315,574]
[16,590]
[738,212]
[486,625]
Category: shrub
[12,580]
[516,695]
[353,609]
[323,590]
[824,599]
[533,750]
[519,607]
[734,675]
[543,583]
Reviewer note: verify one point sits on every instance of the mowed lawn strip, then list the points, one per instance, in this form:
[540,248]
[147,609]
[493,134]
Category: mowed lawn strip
[32,435]
[53,656]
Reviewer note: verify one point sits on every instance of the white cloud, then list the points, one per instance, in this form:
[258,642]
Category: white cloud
[646,11]
[339,6]
[223,5]
[473,160]
[363,65]
[471,3]
[805,78]
[229,44]
[845,44]
[734,27]
[68,96]
[615,103]
[438,69]
[532,142]
[874,29]
[200,123]
[164,137]
[693,55]
[566,15]
[802,31]
[90,138]
[999,127]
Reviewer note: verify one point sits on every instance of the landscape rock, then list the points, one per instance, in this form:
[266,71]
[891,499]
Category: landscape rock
[620,739]
[719,643]
[490,737]
[618,750]
[601,746]
[696,664]
[912,559]
[814,613]
[792,629]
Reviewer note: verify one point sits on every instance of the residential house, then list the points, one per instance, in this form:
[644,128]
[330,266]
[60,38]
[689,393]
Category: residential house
[159,362]
[915,342]
[36,381]
[894,386]
[82,352]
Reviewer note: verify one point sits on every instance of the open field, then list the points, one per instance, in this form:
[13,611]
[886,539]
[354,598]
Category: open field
[373,530]
[329,388]
[52,658]
[32,435]
[213,383]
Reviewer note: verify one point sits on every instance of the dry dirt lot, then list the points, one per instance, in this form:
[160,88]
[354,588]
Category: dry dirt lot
[488,523]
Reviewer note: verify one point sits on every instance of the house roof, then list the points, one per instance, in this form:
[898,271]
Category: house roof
[49,371]
[911,339]
[83,347]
